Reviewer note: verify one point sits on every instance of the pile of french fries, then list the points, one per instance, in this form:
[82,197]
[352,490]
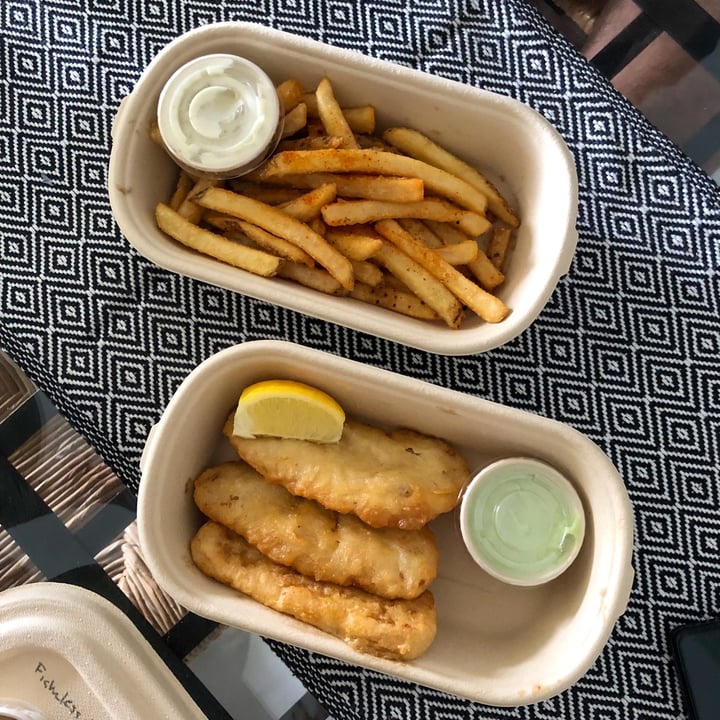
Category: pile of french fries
[389,218]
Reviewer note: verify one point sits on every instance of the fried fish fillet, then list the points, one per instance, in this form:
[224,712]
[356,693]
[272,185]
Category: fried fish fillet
[403,479]
[315,541]
[395,629]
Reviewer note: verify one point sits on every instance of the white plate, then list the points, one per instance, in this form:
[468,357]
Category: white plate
[515,146]
[496,643]
[67,652]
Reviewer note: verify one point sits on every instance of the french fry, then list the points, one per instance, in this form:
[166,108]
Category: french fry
[460,254]
[360,118]
[485,272]
[310,99]
[315,129]
[317,142]
[295,120]
[489,307]
[357,242]
[498,244]
[482,269]
[419,146]
[369,187]
[188,208]
[421,282]
[373,142]
[356,212]
[183,186]
[400,301]
[290,93]
[216,246]
[436,180]
[448,233]
[317,225]
[392,281]
[331,114]
[218,221]
[312,277]
[270,194]
[281,224]
[307,207]
[262,238]
[421,231]
[367,273]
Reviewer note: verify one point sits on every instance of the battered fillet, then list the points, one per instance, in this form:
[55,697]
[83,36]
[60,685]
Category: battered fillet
[400,480]
[315,541]
[395,629]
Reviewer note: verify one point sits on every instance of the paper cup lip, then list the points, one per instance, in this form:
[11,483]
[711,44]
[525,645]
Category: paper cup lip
[502,468]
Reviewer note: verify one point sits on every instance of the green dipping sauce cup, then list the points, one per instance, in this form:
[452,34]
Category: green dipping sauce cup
[522,521]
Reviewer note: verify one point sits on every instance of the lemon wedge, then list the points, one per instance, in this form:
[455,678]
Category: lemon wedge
[288,409]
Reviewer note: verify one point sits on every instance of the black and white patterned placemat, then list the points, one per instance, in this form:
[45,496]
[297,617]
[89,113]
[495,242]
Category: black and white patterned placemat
[627,351]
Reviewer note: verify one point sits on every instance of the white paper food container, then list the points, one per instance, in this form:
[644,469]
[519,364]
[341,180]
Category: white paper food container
[67,652]
[514,145]
[496,643]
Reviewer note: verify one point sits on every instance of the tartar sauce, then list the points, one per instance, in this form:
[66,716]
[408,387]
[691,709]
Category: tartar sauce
[522,521]
[219,115]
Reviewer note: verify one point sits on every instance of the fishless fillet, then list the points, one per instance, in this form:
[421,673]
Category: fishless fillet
[395,629]
[401,480]
[315,541]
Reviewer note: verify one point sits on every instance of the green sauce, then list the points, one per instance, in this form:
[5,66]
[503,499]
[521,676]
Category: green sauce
[523,523]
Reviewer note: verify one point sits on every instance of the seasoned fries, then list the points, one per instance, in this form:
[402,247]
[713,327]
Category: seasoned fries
[183,186]
[498,245]
[232,226]
[462,253]
[487,306]
[290,93]
[208,243]
[307,207]
[436,180]
[484,271]
[421,282]
[422,231]
[361,119]
[295,120]
[402,301]
[367,273]
[356,242]
[311,277]
[357,212]
[418,146]
[282,225]
[331,115]
[389,219]
[370,187]
[186,207]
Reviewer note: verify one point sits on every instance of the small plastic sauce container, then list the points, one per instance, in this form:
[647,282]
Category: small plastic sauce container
[219,116]
[522,521]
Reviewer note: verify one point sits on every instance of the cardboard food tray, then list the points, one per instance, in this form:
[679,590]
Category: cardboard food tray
[511,143]
[67,652]
[496,643]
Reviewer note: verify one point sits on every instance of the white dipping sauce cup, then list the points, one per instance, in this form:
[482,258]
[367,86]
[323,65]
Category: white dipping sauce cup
[219,115]
[522,521]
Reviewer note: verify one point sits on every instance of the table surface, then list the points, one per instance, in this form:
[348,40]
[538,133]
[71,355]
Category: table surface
[626,350]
